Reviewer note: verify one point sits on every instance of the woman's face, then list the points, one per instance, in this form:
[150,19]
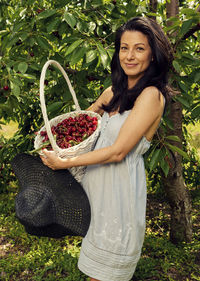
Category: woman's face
[135,55]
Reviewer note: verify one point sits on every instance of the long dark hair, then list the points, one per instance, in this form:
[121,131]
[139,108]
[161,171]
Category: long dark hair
[155,75]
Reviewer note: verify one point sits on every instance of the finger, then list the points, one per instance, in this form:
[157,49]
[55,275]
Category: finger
[42,157]
[44,160]
[45,152]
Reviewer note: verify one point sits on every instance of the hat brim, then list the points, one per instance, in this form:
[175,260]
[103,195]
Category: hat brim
[49,203]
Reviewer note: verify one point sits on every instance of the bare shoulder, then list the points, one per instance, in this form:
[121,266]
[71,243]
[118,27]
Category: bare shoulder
[107,94]
[150,92]
[153,97]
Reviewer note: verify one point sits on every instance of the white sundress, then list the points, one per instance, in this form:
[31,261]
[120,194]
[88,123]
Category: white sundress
[117,194]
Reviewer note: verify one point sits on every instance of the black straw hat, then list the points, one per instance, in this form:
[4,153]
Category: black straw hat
[49,203]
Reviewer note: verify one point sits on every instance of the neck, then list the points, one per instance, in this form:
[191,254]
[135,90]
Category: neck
[133,80]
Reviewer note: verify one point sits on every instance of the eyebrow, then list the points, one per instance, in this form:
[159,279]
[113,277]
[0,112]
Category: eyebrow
[135,44]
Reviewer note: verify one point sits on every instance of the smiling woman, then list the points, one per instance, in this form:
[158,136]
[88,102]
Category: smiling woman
[115,181]
[135,55]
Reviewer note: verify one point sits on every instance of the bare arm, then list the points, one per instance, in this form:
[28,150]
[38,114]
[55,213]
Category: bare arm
[145,112]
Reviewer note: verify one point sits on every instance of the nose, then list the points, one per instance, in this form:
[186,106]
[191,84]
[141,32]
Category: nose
[130,55]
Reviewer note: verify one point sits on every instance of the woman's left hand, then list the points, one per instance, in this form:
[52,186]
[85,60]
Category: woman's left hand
[52,160]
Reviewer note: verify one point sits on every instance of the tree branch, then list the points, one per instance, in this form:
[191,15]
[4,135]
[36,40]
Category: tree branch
[191,31]
[187,35]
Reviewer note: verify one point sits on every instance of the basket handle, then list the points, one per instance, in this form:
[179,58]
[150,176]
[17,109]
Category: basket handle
[42,99]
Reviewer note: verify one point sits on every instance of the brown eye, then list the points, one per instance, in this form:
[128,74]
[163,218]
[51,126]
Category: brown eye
[140,49]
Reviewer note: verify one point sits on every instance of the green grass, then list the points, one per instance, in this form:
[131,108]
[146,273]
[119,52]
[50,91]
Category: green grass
[26,257]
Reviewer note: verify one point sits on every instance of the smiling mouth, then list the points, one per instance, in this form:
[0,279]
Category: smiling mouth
[131,65]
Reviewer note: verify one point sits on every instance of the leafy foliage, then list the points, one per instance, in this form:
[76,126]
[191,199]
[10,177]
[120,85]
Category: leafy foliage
[79,35]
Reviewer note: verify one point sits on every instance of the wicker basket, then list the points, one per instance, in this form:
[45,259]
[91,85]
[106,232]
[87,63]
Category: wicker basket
[83,147]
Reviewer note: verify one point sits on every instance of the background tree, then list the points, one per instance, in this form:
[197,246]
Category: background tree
[181,221]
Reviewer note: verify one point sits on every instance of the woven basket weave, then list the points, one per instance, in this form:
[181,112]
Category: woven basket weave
[83,147]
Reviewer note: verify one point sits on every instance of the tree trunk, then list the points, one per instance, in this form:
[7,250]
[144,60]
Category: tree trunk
[175,188]
[172,8]
[177,192]
[153,7]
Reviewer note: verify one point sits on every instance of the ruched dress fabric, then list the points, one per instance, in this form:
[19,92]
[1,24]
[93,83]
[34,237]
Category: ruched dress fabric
[117,194]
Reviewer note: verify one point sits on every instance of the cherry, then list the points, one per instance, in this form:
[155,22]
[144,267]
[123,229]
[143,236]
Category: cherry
[32,54]
[71,131]
[6,88]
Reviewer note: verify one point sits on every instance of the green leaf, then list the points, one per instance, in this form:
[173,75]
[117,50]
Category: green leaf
[169,123]
[32,41]
[73,46]
[46,14]
[22,67]
[43,43]
[67,95]
[83,102]
[110,52]
[29,76]
[81,26]
[197,77]
[77,54]
[183,86]
[183,101]
[186,26]
[56,106]
[12,42]
[196,112]
[154,159]
[177,149]
[16,80]
[188,12]
[107,82]
[15,89]
[53,25]
[62,28]
[103,54]
[91,26]
[18,26]
[97,3]
[173,138]
[4,32]
[188,59]
[70,19]
[164,166]
[88,93]
[91,55]
[35,66]
[23,36]
[177,66]
[4,107]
